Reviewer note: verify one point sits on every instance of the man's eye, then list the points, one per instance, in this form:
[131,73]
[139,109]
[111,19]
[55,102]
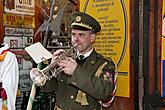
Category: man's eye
[73,34]
[82,34]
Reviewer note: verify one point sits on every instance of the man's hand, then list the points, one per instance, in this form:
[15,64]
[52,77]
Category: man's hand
[68,65]
[56,54]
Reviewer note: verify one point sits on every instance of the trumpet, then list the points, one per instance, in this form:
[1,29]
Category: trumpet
[39,77]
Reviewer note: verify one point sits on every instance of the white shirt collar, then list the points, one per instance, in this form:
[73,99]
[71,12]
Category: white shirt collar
[86,54]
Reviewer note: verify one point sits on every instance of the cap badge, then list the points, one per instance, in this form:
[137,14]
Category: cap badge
[78,18]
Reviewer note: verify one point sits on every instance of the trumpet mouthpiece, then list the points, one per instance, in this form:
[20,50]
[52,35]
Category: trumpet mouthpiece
[75,45]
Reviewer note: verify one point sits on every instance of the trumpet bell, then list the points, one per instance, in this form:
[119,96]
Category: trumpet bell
[37,76]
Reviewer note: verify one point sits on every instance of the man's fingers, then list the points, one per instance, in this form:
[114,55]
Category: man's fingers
[59,51]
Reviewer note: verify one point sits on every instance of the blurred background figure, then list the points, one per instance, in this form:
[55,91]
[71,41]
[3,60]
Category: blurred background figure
[9,78]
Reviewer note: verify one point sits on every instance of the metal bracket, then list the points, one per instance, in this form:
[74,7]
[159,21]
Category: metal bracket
[156,100]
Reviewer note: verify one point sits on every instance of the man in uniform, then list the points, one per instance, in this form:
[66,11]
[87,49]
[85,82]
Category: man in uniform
[84,83]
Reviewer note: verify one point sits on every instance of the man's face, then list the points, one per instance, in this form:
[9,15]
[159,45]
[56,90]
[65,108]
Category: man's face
[83,39]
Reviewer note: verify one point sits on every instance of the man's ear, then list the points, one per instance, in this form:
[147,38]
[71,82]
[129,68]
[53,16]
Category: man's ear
[93,37]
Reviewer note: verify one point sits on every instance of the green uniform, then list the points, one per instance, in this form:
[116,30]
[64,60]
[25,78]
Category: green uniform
[86,86]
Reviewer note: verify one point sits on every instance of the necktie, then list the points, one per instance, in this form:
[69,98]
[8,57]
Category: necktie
[81,57]
[81,60]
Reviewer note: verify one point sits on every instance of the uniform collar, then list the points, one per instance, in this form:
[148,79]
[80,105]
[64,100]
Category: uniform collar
[91,59]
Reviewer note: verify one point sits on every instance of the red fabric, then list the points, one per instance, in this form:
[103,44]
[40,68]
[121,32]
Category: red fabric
[3,94]
[4,51]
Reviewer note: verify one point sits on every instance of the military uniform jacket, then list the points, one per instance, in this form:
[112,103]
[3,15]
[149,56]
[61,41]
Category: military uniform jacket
[86,86]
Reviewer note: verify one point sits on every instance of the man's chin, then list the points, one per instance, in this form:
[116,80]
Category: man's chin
[79,48]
